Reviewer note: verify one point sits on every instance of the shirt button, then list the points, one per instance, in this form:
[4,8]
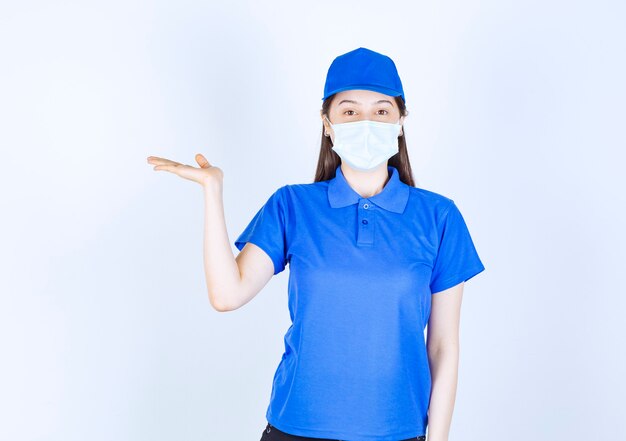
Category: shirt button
[366,206]
[364,221]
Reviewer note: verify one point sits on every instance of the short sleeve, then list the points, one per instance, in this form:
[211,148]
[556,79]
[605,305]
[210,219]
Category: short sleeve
[267,230]
[457,260]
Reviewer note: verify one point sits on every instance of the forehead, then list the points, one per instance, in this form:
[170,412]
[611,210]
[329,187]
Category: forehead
[361,97]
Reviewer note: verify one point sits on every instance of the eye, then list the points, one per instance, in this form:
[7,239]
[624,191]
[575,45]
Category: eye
[383,110]
[348,111]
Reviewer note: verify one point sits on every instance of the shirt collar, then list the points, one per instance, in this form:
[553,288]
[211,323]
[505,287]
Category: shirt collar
[393,198]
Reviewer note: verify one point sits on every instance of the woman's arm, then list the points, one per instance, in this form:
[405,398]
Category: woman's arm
[443,355]
[231,281]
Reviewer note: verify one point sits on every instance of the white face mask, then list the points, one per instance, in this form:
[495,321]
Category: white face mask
[365,145]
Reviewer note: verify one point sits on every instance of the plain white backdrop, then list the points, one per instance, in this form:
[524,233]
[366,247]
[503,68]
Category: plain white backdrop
[106,332]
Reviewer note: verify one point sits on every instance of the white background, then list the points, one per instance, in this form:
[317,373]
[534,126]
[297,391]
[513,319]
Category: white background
[517,112]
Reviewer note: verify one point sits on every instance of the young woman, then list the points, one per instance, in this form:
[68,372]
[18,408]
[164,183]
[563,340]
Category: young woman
[372,261]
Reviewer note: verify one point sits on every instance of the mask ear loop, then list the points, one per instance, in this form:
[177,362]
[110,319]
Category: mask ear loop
[401,128]
[331,124]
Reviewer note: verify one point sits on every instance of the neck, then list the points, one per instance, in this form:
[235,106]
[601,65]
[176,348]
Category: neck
[366,183]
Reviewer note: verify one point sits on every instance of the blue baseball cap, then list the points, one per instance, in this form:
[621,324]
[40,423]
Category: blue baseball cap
[363,68]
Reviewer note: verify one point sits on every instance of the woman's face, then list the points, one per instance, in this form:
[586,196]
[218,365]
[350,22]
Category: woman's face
[358,105]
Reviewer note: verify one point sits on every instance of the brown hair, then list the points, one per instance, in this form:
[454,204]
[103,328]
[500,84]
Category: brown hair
[329,160]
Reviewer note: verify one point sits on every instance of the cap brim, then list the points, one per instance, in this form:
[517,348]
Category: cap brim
[374,88]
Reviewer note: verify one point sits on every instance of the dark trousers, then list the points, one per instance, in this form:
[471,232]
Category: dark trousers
[271,433]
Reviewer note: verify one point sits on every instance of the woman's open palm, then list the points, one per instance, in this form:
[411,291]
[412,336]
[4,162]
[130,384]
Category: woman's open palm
[205,174]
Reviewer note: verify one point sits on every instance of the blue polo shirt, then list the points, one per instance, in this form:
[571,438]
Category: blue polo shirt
[361,275]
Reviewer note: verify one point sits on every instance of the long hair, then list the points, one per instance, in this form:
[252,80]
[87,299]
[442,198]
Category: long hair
[329,160]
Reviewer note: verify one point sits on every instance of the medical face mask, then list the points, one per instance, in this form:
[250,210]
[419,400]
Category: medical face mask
[365,145]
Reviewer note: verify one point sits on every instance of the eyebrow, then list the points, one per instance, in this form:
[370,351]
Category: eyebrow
[356,102]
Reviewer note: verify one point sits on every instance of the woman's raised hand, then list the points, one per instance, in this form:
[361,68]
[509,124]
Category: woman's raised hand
[206,174]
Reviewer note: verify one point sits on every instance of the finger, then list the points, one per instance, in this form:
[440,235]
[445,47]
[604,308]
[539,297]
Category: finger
[202,161]
[169,167]
[160,161]
[155,158]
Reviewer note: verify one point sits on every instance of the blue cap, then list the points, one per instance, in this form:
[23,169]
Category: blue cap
[363,69]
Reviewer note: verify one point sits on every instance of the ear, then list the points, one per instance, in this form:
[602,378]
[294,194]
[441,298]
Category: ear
[325,123]
[401,122]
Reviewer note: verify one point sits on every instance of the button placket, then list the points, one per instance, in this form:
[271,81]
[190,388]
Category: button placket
[366,215]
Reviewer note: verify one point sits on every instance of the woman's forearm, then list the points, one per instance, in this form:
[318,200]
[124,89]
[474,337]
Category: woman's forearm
[444,364]
[221,270]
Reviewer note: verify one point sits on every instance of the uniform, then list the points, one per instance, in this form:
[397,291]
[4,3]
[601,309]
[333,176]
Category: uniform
[361,275]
